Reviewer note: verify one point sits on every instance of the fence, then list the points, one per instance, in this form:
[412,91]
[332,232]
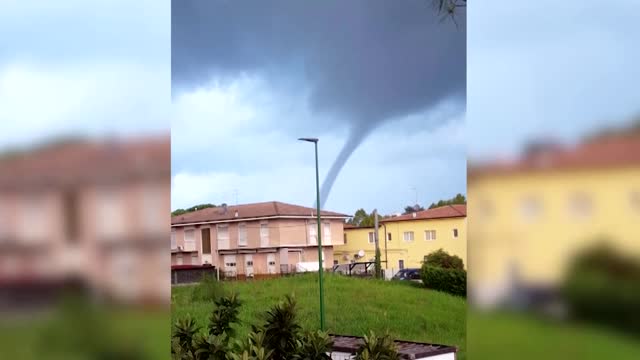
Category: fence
[186,274]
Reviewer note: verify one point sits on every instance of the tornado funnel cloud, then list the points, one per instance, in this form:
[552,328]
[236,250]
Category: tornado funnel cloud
[356,136]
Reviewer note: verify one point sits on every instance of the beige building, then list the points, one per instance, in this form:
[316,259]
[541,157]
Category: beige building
[255,239]
[94,212]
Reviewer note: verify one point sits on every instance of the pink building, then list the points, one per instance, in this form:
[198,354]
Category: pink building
[255,239]
[92,211]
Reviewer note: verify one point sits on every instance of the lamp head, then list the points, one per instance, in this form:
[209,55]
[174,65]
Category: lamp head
[313,140]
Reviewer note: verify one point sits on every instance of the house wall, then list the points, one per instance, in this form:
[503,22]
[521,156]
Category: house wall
[283,233]
[412,253]
[504,237]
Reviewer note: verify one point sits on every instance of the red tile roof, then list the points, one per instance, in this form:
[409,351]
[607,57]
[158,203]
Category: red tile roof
[72,162]
[447,211]
[246,211]
[602,152]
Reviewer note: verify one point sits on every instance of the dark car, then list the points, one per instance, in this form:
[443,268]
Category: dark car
[407,274]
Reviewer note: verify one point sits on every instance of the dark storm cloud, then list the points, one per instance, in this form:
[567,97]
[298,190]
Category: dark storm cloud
[364,62]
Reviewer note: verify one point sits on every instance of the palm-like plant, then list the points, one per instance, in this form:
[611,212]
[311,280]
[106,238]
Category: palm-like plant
[377,348]
[212,347]
[282,331]
[224,315]
[253,348]
[184,333]
[315,345]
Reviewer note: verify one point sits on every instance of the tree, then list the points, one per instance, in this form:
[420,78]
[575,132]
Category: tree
[456,200]
[410,209]
[362,219]
[192,209]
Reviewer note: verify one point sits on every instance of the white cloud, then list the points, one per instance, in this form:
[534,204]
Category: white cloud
[96,99]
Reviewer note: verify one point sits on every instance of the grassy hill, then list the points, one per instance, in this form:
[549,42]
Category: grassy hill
[352,307]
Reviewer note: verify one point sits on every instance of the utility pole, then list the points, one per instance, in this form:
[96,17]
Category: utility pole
[319,236]
[378,268]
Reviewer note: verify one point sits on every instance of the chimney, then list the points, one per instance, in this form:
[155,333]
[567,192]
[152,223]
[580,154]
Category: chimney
[414,215]
[236,214]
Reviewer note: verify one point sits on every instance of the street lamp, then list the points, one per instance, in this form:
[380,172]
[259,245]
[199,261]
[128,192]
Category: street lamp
[315,142]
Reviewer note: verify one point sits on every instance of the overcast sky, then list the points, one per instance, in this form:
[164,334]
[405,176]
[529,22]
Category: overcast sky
[558,69]
[83,68]
[240,99]
[386,78]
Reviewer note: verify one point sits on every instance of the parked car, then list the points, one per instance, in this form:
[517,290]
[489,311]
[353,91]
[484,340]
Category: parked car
[407,274]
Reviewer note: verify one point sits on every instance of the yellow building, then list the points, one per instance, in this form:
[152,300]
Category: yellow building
[529,217]
[405,240]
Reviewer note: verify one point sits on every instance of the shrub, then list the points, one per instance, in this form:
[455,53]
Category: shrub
[185,332]
[453,281]
[603,286]
[209,289]
[314,345]
[441,258]
[282,329]
[224,315]
[377,348]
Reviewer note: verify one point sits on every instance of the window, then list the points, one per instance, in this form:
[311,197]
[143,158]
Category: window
[174,244]
[408,236]
[530,208]
[389,236]
[153,208]
[313,239]
[455,233]
[264,234]
[335,262]
[635,200]
[327,234]
[110,215]
[486,208]
[272,263]
[189,240]
[230,264]
[71,216]
[580,205]
[242,234]
[345,239]
[223,236]
[429,235]
[206,241]
[401,264]
[249,262]
[372,238]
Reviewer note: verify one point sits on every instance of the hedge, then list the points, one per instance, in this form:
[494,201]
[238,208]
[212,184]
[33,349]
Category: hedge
[603,286]
[453,281]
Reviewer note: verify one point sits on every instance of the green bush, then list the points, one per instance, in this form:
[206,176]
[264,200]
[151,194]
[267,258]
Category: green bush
[443,272]
[280,337]
[441,258]
[209,289]
[377,348]
[453,281]
[603,286]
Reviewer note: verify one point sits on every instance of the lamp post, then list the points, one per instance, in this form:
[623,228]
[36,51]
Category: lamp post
[320,257]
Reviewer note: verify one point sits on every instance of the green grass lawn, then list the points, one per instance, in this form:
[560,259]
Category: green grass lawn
[60,336]
[352,307]
[510,336]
